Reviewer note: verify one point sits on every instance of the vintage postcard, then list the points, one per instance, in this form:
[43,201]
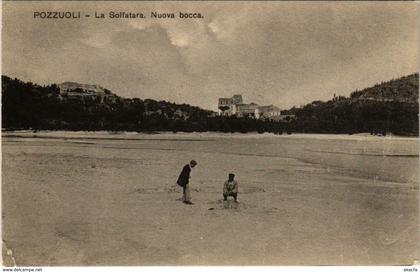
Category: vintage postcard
[140,133]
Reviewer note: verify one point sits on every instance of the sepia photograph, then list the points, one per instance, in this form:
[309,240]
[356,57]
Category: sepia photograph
[210,133]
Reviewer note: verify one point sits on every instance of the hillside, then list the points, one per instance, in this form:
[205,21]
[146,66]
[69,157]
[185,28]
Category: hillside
[389,107]
[77,106]
[405,89]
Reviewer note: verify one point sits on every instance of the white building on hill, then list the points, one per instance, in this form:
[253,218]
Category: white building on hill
[227,106]
[74,90]
[235,106]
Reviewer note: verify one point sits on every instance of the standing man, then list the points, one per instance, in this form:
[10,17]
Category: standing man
[183,181]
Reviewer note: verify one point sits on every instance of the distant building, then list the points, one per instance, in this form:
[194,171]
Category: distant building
[247,110]
[268,112]
[227,106]
[74,90]
[235,106]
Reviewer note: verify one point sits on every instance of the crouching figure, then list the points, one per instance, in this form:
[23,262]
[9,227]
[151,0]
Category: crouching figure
[230,188]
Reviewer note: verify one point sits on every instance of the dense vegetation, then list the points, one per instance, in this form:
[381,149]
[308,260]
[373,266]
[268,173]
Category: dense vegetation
[390,107]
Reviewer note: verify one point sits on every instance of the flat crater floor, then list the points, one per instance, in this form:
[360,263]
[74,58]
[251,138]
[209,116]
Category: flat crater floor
[111,199]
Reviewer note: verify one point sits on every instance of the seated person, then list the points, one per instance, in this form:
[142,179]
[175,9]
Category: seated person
[230,188]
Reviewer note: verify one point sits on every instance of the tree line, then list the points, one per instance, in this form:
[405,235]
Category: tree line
[30,106]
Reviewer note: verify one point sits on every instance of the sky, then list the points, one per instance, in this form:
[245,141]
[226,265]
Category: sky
[282,53]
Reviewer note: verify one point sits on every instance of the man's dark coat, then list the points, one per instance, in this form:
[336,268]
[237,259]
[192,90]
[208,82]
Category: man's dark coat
[184,177]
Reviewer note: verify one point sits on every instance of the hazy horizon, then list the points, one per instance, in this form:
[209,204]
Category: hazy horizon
[282,53]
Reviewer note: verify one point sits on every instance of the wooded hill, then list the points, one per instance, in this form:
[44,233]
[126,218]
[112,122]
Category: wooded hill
[389,107]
